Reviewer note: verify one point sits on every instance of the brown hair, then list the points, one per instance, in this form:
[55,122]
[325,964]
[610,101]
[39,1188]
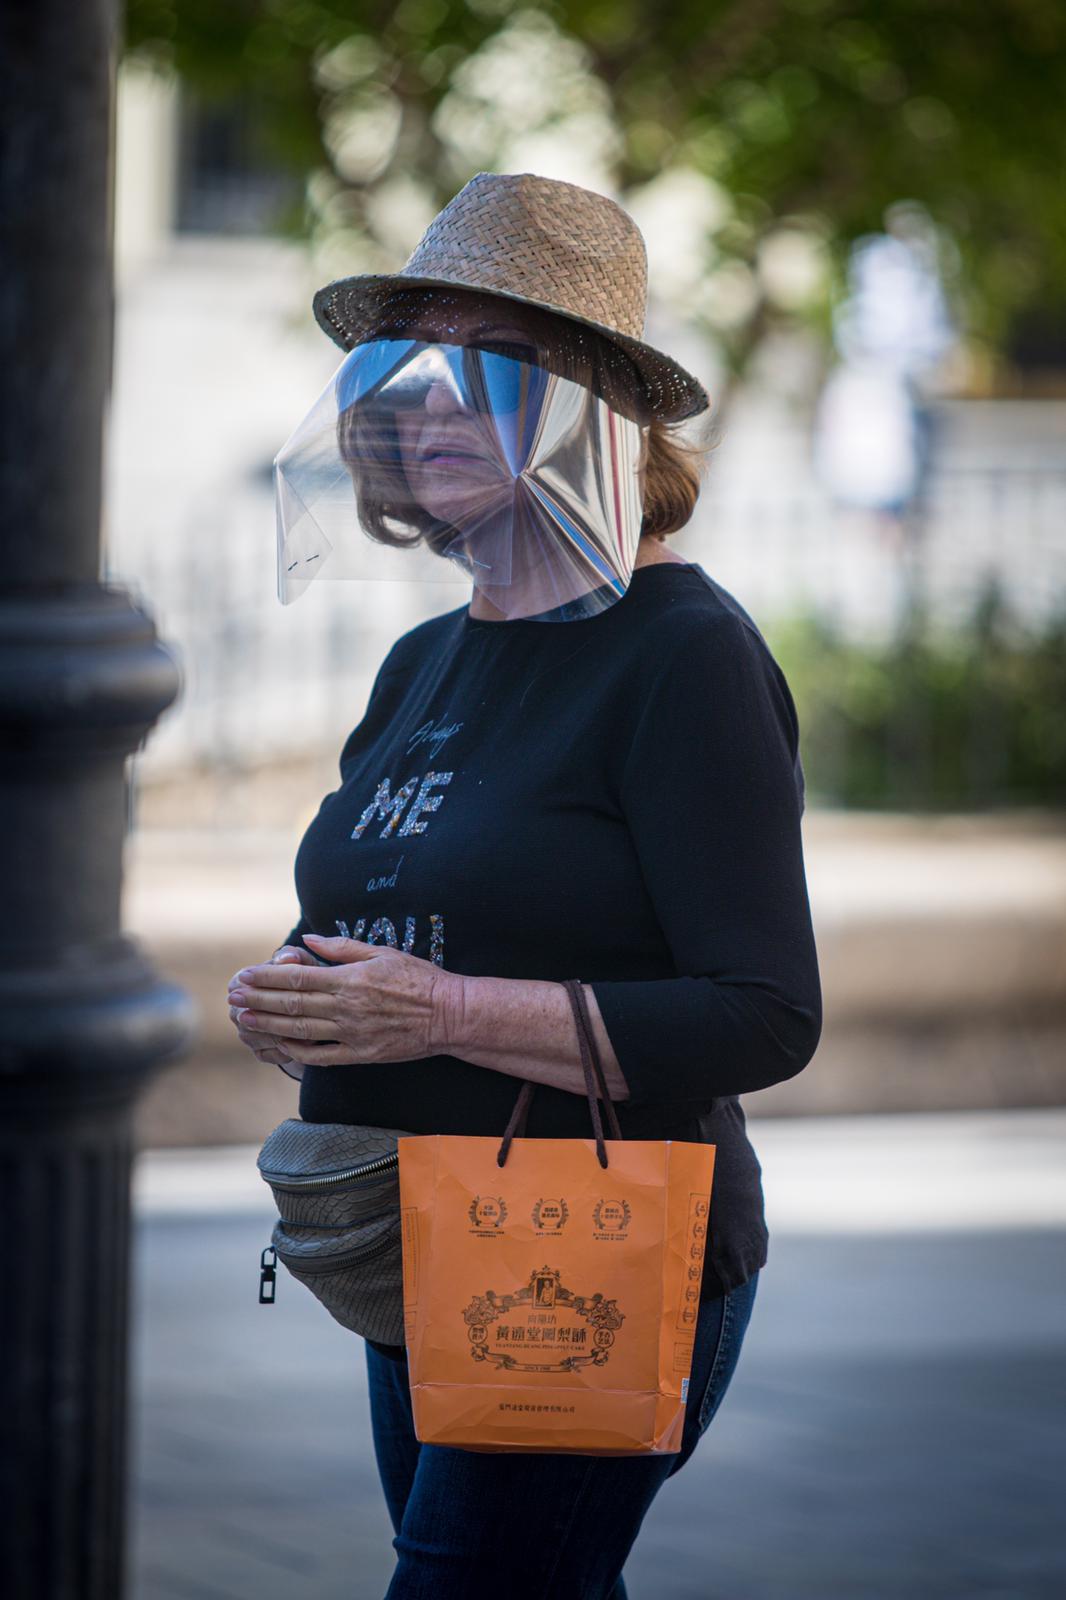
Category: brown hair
[673,468]
[370,449]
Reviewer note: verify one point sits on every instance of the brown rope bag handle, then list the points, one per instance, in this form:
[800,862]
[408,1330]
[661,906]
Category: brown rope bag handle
[595,1083]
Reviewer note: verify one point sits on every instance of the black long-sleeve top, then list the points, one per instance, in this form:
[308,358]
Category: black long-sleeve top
[615,799]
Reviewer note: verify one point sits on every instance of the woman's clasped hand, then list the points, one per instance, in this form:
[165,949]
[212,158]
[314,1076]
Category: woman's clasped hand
[374,1003]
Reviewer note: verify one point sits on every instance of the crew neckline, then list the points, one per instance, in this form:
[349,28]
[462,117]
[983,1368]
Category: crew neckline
[495,623]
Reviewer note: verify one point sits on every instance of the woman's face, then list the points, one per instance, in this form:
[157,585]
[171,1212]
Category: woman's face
[452,465]
[460,465]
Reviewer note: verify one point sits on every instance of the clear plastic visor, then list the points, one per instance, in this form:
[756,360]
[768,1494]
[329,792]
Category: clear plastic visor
[474,462]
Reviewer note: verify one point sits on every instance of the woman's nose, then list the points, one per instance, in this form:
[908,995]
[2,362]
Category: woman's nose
[442,398]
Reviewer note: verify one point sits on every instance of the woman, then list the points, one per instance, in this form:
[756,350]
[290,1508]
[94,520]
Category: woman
[616,797]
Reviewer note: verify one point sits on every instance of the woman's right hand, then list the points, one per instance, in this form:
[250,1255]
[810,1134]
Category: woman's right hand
[269,1047]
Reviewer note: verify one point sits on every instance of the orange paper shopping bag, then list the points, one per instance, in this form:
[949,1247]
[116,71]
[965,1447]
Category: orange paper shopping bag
[551,1286]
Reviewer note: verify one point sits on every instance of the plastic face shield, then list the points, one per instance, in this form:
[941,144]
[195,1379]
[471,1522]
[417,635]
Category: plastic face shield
[470,459]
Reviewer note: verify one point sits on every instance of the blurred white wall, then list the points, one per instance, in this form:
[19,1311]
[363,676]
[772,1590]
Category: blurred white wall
[145,167]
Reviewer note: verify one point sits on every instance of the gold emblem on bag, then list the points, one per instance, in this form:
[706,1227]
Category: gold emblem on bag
[542,1327]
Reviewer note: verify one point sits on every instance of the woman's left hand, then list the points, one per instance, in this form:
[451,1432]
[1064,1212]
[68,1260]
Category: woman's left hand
[380,1004]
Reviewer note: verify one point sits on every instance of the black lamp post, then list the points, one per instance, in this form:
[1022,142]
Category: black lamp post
[84,1020]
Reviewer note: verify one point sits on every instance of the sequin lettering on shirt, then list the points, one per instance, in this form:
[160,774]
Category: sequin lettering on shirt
[388,809]
[424,801]
[383,931]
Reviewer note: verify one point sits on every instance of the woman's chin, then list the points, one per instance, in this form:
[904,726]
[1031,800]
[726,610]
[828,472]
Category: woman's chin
[461,513]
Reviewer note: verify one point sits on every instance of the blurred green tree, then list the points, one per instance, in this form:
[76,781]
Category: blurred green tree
[804,119]
[966,718]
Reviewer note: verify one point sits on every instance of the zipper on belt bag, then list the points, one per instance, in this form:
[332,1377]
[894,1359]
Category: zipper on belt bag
[291,1183]
[371,1169]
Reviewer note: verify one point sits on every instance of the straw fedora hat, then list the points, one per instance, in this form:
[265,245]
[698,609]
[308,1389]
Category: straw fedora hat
[543,243]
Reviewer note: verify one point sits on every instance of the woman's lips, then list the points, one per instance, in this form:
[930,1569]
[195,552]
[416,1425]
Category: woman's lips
[449,445]
[431,456]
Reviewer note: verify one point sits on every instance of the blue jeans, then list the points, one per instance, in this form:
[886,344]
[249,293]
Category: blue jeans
[531,1526]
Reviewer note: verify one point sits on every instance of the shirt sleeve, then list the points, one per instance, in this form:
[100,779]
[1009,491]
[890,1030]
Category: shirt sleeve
[712,797]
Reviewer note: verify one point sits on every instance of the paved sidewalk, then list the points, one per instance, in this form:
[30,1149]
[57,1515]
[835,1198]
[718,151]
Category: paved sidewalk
[893,1431]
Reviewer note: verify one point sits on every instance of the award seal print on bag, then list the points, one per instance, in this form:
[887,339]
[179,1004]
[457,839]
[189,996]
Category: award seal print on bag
[487,1212]
[550,1216]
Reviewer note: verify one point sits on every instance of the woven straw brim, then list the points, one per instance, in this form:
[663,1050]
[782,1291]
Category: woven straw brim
[349,311]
